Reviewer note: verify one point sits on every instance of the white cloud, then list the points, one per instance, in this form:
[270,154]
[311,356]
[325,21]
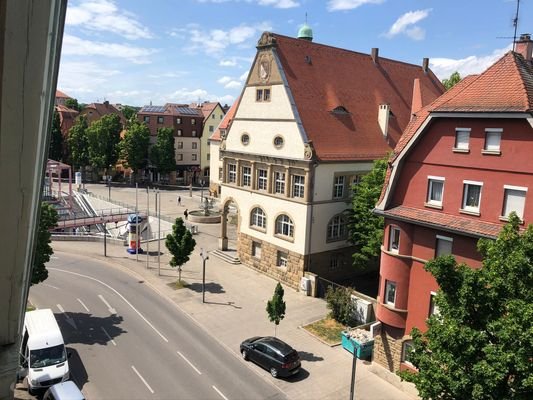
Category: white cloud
[243,76]
[185,95]
[224,80]
[104,15]
[233,85]
[228,63]
[177,74]
[81,78]
[73,45]
[406,24]
[274,3]
[341,5]
[444,67]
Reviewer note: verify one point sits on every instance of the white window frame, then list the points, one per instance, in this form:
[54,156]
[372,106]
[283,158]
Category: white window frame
[388,286]
[494,134]
[393,230]
[284,226]
[179,157]
[262,179]
[178,120]
[180,145]
[506,188]
[232,173]
[179,132]
[193,121]
[338,186]
[258,218]
[405,350]
[246,176]
[334,262]
[464,206]
[193,133]
[442,238]
[336,229]
[282,259]
[457,146]
[194,157]
[160,119]
[146,118]
[298,186]
[431,181]
[256,250]
[194,145]
[433,308]
[279,182]
[211,127]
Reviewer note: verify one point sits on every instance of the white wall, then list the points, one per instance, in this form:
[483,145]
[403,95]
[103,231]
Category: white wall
[214,163]
[187,150]
[325,174]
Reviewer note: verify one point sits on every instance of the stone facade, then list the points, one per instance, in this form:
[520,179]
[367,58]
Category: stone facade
[266,263]
[388,351]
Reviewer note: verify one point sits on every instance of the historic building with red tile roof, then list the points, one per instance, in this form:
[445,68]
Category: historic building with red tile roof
[461,167]
[95,111]
[61,97]
[310,121]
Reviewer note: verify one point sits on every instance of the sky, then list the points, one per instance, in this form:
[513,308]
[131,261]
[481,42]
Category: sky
[157,51]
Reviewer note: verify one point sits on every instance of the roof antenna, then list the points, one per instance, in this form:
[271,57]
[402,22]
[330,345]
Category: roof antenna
[515,23]
[306,17]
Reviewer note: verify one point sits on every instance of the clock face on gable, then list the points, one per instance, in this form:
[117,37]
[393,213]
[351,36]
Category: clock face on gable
[264,68]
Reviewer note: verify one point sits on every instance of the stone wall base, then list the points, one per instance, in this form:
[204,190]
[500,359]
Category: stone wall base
[388,350]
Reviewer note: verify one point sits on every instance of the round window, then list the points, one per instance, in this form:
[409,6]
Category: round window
[278,141]
[245,139]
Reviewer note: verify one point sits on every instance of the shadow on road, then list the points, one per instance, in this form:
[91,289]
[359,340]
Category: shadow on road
[88,329]
[300,376]
[77,370]
[306,356]
[228,303]
[210,287]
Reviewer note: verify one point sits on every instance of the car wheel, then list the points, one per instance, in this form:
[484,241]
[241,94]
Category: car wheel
[274,372]
[244,355]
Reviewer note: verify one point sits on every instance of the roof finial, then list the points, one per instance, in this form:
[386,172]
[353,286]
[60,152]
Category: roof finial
[305,32]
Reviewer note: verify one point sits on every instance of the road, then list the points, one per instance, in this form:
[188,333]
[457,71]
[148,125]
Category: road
[129,342]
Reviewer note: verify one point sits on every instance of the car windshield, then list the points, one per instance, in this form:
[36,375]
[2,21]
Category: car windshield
[48,356]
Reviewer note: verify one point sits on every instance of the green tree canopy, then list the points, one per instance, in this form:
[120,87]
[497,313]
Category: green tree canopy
[103,138]
[129,113]
[162,152]
[452,80]
[366,229]
[480,344]
[55,151]
[180,244]
[276,307]
[43,250]
[73,104]
[78,143]
[134,146]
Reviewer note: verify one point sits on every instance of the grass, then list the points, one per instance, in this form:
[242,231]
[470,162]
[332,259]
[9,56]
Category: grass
[178,285]
[326,329]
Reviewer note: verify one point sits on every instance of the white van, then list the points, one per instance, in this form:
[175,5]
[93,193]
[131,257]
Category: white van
[43,357]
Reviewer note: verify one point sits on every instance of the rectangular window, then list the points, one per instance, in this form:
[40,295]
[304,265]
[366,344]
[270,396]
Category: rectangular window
[262,179]
[462,138]
[471,196]
[179,157]
[194,133]
[407,350]
[433,308]
[394,239]
[211,128]
[435,190]
[334,263]
[146,119]
[180,145]
[282,259]
[390,292]
[159,120]
[194,145]
[514,199]
[259,95]
[208,156]
[443,246]
[338,187]
[246,176]
[180,132]
[298,185]
[279,179]
[195,157]
[220,173]
[266,95]
[256,249]
[212,116]
[232,173]
[193,121]
[178,120]
[492,139]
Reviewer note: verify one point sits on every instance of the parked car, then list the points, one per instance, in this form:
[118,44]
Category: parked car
[63,391]
[272,354]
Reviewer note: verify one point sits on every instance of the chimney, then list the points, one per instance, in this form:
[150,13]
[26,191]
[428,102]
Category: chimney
[425,65]
[106,102]
[524,46]
[383,118]
[416,104]
[375,55]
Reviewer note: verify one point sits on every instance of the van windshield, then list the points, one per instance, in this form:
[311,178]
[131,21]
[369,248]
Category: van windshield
[48,356]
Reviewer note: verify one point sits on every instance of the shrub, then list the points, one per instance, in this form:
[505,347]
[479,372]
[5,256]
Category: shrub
[341,305]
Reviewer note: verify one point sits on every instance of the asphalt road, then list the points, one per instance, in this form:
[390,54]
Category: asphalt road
[128,342]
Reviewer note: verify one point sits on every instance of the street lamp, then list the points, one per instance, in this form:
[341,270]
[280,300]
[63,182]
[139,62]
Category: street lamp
[205,257]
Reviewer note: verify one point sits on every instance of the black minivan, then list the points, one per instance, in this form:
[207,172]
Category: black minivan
[272,354]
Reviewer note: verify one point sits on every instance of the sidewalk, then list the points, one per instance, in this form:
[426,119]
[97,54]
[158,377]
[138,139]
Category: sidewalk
[236,298]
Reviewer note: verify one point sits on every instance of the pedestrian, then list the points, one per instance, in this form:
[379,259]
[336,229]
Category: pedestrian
[186,213]
[179,200]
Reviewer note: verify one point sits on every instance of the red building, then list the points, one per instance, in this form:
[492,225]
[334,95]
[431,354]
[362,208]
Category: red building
[462,165]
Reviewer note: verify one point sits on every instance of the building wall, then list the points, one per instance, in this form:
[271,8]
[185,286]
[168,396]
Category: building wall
[214,166]
[187,150]
[212,121]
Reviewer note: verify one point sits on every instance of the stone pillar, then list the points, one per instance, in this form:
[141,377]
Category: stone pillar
[253,176]
[287,182]
[224,170]
[239,173]
[269,178]
[307,185]
[223,240]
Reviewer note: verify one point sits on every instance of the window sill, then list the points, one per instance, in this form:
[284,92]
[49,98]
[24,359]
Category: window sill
[340,239]
[283,237]
[431,205]
[392,308]
[465,151]
[506,219]
[468,212]
[258,229]
[491,152]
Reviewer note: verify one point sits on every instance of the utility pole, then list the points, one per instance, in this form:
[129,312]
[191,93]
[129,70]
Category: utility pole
[158,203]
[354,366]
[147,226]
[105,235]
[205,257]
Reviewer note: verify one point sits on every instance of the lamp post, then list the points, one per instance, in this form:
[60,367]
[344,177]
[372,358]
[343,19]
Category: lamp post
[354,366]
[109,182]
[202,191]
[205,257]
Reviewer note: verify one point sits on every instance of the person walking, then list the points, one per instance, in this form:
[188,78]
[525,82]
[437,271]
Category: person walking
[179,200]
[186,213]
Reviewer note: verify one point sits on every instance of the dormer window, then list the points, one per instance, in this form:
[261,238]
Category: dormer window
[340,110]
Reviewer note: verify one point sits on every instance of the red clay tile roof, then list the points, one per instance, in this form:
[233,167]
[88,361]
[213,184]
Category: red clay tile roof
[439,220]
[226,122]
[60,94]
[206,107]
[322,78]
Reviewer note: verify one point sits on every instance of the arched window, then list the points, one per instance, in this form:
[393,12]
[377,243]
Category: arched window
[337,228]
[284,226]
[258,218]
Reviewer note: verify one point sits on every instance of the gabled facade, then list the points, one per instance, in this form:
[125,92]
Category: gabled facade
[462,165]
[310,121]
[95,111]
[61,98]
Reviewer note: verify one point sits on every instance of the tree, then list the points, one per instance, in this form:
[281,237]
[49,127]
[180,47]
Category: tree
[55,151]
[73,104]
[134,146]
[452,80]
[78,143]
[180,244]
[162,152]
[480,344]
[276,307]
[339,301]
[129,113]
[366,229]
[103,138]
[43,250]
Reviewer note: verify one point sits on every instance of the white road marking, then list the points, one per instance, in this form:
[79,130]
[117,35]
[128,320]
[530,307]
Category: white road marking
[118,294]
[142,379]
[220,393]
[190,363]
[53,287]
[109,337]
[111,309]
[69,319]
[84,306]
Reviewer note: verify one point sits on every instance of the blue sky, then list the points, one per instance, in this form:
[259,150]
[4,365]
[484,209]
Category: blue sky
[137,52]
